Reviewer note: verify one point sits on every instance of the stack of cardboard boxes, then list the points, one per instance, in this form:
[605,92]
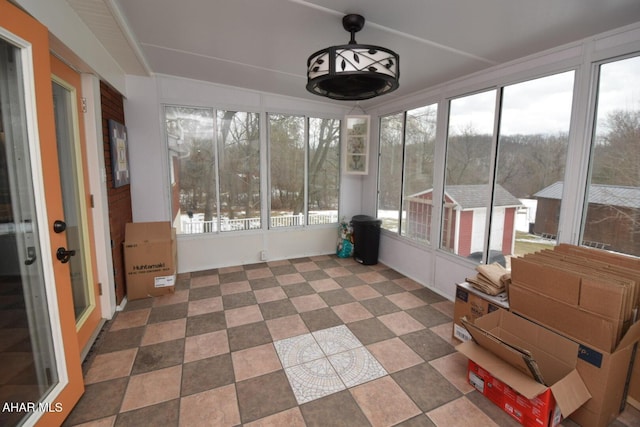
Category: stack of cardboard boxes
[589,297]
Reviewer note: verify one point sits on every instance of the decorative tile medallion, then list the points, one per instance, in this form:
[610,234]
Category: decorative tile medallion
[324,362]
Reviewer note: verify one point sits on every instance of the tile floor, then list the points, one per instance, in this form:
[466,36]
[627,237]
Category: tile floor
[318,341]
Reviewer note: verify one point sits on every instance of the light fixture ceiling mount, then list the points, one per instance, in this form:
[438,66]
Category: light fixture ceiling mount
[353,72]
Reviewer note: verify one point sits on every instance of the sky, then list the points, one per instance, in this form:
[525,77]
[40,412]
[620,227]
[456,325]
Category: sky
[544,105]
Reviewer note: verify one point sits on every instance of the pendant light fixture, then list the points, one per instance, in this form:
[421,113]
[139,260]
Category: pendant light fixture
[353,72]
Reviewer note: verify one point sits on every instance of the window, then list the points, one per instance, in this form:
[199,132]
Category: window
[214,169]
[468,180]
[530,166]
[611,219]
[390,171]
[305,170]
[419,148]
[407,142]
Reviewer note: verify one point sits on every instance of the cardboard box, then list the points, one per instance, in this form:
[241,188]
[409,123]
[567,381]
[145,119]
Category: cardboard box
[150,259]
[471,303]
[634,385]
[495,336]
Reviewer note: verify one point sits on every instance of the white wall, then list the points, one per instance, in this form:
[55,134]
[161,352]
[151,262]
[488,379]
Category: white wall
[151,200]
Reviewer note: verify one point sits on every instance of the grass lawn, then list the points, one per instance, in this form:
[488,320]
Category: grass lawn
[527,243]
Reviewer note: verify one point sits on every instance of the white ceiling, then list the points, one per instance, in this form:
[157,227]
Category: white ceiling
[264,44]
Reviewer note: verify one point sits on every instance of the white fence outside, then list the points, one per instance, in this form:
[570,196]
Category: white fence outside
[197,224]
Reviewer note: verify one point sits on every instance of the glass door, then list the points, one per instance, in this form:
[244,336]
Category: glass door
[75,224]
[40,372]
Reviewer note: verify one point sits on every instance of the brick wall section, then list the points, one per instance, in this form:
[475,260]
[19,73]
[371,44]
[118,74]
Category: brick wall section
[119,198]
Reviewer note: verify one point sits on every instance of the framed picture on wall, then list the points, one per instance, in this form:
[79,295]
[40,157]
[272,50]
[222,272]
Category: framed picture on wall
[119,153]
[355,151]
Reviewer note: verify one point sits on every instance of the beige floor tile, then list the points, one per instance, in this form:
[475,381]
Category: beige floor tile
[204,306]
[290,418]
[207,345]
[372,277]
[278,263]
[363,292]
[259,273]
[104,422]
[202,281]
[269,294]
[397,407]
[255,361]
[290,279]
[235,287]
[394,355]
[306,266]
[405,300]
[286,327]
[243,315]
[445,307]
[445,331]
[324,285]
[408,284]
[461,413]
[217,407]
[112,365]
[352,312]
[164,331]
[232,269]
[337,272]
[401,323]
[174,298]
[130,319]
[454,368]
[152,387]
[308,303]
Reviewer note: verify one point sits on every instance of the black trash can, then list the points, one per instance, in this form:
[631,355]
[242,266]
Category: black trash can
[366,239]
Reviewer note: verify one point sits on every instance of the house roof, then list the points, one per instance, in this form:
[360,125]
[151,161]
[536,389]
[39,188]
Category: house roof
[476,196]
[613,195]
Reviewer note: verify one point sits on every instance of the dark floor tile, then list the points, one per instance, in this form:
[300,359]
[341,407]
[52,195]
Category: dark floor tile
[428,316]
[236,276]
[380,306]
[390,274]
[387,288]
[98,401]
[279,270]
[314,275]
[336,297]
[207,374]
[263,396]
[428,345]
[263,283]
[336,410]
[168,312]
[158,356]
[420,421]
[204,323]
[121,339]
[358,268]
[371,330]
[162,414]
[428,295]
[494,411]
[204,292]
[256,266]
[238,300]
[275,309]
[138,304]
[300,260]
[327,263]
[320,319]
[247,336]
[183,283]
[349,281]
[201,273]
[413,381]
[298,289]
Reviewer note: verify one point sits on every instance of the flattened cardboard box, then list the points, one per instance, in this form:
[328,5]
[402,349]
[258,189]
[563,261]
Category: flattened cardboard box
[556,357]
[150,259]
[471,303]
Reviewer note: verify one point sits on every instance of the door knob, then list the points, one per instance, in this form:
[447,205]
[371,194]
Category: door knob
[64,255]
[59,226]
